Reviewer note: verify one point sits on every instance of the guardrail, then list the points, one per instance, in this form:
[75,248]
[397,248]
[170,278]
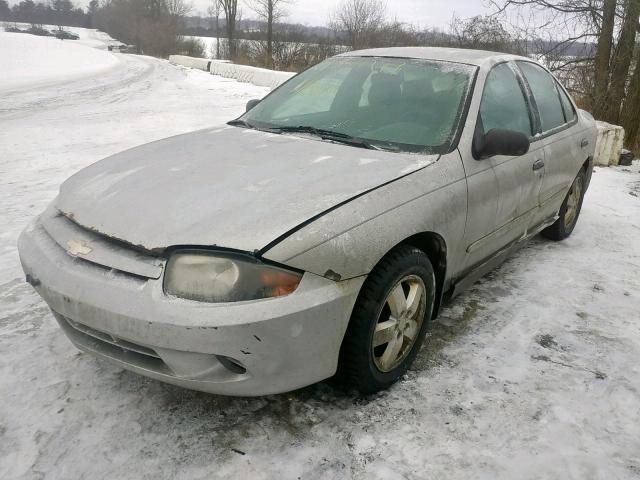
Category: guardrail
[244,73]
[609,144]
[191,62]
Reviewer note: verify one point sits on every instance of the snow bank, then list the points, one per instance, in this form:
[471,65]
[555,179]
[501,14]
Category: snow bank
[29,60]
[243,73]
[609,144]
[191,62]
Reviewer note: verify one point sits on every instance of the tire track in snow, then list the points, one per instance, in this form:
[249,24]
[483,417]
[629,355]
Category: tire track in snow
[114,86]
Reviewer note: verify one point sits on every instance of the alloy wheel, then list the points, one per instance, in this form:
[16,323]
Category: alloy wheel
[399,323]
[573,202]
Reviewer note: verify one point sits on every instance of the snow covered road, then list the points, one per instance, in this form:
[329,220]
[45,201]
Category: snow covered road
[532,374]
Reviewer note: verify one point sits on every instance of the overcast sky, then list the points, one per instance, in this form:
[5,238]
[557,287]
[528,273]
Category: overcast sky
[425,13]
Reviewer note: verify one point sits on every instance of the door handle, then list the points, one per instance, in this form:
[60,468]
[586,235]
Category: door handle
[538,164]
[584,143]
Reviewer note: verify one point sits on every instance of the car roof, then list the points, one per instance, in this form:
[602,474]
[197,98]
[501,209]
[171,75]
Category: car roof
[480,58]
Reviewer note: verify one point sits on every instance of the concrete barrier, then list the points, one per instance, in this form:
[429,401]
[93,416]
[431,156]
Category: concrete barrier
[191,62]
[609,144]
[243,73]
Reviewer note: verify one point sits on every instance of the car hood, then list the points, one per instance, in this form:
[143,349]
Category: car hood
[229,187]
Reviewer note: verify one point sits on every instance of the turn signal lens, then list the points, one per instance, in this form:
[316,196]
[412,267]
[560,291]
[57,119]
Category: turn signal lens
[280,283]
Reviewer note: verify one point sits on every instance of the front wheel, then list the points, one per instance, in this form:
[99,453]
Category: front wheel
[569,211]
[389,321]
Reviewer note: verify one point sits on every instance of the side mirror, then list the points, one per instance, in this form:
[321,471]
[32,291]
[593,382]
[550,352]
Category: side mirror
[498,141]
[251,104]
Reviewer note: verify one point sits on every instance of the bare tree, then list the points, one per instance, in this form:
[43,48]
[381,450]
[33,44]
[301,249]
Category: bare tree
[61,9]
[631,110]
[608,80]
[622,61]
[360,20]
[5,11]
[395,33]
[152,25]
[214,10]
[484,33]
[554,27]
[269,11]
[177,10]
[230,8]
[603,56]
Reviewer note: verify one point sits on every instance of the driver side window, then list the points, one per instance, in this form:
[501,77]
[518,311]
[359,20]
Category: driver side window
[503,104]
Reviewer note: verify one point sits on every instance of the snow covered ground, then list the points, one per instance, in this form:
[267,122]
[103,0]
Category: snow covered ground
[49,61]
[532,374]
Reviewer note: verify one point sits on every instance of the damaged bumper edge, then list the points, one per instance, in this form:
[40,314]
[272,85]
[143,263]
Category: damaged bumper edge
[245,348]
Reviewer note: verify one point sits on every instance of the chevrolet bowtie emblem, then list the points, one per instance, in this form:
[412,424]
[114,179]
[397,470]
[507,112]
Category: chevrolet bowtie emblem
[77,247]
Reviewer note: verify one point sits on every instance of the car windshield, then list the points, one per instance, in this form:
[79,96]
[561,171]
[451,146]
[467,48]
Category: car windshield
[394,104]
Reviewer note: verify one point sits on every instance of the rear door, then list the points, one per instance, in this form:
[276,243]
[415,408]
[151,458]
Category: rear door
[557,130]
[512,183]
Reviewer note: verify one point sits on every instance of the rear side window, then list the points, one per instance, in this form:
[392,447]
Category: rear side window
[545,91]
[503,104]
[569,112]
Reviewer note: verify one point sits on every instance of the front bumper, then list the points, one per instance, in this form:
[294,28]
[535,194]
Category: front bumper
[281,344]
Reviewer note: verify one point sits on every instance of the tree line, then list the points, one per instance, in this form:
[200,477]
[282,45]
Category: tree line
[355,24]
[55,12]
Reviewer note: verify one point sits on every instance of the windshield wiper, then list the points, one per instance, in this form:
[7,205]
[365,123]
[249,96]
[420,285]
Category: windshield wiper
[311,130]
[326,135]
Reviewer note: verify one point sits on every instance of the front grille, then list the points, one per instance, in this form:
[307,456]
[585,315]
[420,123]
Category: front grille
[88,245]
[112,346]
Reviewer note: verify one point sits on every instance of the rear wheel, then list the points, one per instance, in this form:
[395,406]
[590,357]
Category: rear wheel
[389,321]
[569,211]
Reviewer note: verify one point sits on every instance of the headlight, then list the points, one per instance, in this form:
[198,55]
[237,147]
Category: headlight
[217,277]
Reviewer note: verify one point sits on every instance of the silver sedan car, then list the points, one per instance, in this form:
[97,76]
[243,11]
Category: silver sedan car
[317,234]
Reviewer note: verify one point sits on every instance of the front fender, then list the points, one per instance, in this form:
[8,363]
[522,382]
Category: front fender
[349,241]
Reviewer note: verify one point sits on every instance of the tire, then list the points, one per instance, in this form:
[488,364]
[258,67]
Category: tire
[362,366]
[569,211]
